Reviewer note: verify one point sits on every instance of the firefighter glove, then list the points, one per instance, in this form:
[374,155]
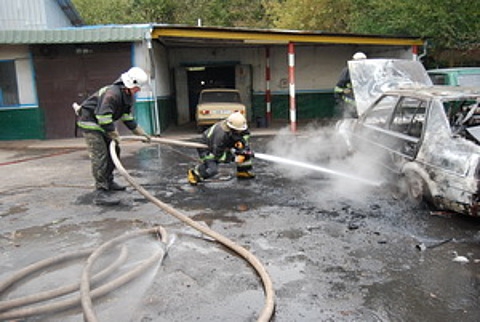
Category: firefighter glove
[240,158]
[141,132]
[239,145]
[247,153]
[113,135]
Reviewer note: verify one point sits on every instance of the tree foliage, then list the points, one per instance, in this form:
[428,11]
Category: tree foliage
[450,25]
[326,15]
[226,13]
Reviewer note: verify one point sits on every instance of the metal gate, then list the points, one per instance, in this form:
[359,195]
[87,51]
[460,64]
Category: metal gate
[70,73]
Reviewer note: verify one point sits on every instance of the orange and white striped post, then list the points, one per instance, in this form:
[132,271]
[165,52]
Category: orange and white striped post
[415,52]
[268,94]
[291,87]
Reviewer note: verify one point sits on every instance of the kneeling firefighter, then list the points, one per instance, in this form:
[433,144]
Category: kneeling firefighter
[227,141]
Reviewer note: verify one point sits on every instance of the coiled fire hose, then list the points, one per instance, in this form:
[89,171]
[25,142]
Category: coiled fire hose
[268,308]
[87,295]
[6,312]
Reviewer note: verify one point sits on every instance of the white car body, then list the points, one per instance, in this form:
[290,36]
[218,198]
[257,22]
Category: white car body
[426,136]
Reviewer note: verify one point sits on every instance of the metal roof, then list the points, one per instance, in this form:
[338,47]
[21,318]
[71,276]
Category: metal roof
[88,34]
[177,35]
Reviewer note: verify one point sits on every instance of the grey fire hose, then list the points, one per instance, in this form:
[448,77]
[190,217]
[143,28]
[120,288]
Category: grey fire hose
[269,304]
[47,295]
[166,141]
[84,297]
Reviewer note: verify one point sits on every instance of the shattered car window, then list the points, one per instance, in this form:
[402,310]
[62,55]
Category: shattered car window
[409,117]
[462,115]
[379,114]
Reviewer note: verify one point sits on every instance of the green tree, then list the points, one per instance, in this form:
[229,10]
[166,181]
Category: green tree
[104,12]
[224,13]
[327,15]
[451,27]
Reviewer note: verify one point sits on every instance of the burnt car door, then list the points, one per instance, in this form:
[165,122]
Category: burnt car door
[406,128]
[391,130]
[369,135]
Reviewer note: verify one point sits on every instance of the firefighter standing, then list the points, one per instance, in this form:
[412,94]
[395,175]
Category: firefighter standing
[343,90]
[227,141]
[97,116]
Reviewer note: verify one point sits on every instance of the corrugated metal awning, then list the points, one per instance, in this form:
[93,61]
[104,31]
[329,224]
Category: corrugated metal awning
[89,34]
[173,33]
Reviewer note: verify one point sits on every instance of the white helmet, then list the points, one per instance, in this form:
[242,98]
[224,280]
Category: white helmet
[359,55]
[236,121]
[134,77]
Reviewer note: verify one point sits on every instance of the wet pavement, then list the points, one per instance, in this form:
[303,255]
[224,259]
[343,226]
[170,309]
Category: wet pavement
[336,250]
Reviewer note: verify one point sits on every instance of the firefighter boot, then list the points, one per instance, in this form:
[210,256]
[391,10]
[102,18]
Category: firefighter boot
[113,186]
[245,174]
[193,177]
[105,198]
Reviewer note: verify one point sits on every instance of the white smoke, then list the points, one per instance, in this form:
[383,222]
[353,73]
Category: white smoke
[322,146]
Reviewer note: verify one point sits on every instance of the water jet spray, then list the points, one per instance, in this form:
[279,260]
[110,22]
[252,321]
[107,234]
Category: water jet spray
[317,168]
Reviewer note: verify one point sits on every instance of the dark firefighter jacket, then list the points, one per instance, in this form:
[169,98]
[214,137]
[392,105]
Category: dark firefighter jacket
[343,89]
[220,140]
[107,105]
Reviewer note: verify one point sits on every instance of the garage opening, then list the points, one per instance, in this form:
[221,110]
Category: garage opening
[202,77]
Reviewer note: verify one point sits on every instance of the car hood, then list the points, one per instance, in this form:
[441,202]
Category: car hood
[371,77]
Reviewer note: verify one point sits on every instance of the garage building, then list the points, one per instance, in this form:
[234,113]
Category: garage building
[43,71]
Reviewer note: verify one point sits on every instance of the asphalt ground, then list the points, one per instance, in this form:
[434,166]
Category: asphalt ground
[335,250]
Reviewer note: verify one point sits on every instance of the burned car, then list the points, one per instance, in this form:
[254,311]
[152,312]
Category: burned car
[426,137]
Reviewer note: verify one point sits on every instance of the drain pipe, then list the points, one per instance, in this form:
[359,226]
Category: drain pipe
[424,53]
[269,304]
[153,82]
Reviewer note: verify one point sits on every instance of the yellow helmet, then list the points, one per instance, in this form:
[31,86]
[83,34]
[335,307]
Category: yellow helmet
[236,121]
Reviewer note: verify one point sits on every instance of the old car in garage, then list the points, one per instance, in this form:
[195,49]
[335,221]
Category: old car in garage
[216,104]
[425,137]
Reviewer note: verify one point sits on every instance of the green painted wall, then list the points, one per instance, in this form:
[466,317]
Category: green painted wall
[168,113]
[310,105]
[145,116]
[22,124]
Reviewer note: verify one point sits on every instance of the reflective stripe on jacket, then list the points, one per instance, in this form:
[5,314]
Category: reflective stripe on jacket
[107,105]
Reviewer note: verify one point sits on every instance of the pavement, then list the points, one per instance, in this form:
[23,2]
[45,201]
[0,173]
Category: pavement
[335,250]
[187,132]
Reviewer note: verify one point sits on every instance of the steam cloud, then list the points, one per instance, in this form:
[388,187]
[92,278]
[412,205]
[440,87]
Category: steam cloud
[322,146]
